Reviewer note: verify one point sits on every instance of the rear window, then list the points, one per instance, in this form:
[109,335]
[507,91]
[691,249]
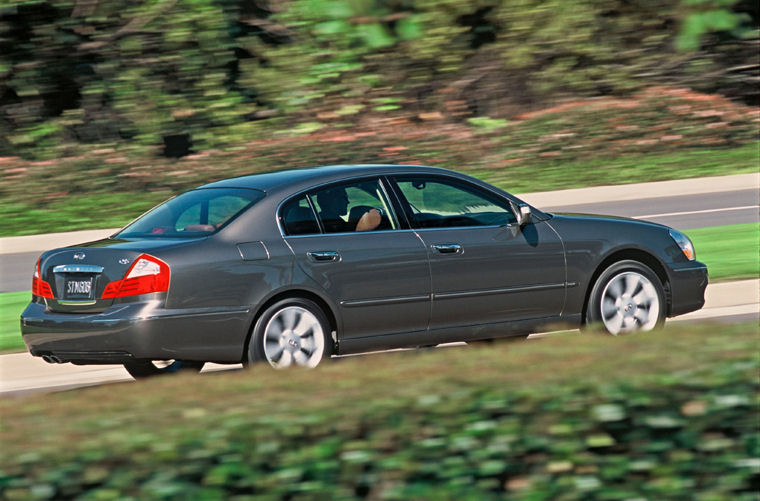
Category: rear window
[194,213]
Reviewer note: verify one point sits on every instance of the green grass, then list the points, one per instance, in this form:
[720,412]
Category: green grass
[661,415]
[730,252]
[11,306]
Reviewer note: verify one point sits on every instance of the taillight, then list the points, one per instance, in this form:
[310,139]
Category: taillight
[147,274]
[39,286]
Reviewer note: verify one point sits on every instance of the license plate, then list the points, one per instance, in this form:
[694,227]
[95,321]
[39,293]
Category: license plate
[78,289]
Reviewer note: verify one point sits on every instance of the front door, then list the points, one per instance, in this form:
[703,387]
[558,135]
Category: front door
[485,268]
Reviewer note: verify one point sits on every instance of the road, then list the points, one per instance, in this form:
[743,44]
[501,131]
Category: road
[681,204]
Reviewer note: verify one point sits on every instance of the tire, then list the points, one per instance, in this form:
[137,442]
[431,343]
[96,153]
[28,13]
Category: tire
[141,369]
[291,332]
[628,296]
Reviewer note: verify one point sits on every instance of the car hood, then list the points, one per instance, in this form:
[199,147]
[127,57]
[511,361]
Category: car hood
[574,216]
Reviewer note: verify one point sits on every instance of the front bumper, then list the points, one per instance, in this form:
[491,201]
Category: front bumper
[141,330]
[688,282]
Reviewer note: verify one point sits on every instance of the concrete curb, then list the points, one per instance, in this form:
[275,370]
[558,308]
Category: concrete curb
[598,194]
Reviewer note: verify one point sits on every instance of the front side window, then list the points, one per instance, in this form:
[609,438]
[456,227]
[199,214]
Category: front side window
[194,213]
[444,203]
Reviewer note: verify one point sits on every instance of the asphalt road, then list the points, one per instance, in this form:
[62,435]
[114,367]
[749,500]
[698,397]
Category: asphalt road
[682,212]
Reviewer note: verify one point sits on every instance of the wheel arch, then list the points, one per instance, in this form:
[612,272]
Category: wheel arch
[292,294]
[639,255]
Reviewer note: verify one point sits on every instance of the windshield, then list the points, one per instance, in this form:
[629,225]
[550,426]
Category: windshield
[195,213]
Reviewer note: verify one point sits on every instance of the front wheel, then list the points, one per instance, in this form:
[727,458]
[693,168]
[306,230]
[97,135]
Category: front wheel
[627,297]
[291,332]
[140,369]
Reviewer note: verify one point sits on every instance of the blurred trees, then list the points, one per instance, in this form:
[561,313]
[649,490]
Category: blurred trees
[175,76]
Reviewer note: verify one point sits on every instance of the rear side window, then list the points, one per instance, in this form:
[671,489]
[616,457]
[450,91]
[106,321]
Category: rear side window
[298,218]
[194,213]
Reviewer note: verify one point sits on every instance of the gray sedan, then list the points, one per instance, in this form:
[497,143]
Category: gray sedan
[291,267]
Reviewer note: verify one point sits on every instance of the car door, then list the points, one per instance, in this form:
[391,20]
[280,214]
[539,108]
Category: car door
[485,268]
[379,278]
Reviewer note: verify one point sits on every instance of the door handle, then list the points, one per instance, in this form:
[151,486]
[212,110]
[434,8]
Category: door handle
[322,256]
[448,248]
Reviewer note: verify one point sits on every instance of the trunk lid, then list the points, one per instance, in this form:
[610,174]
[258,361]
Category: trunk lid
[78,275]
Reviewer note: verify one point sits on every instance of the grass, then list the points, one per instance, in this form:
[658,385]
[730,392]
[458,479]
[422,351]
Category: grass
[11,306]
[561,416]
[730,253]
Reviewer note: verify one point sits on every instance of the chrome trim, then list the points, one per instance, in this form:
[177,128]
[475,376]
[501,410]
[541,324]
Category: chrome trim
[78,268]
[374,232]
[448,248]
[484,227]
[383,301]
[323,256]
[508,290]
[86,302]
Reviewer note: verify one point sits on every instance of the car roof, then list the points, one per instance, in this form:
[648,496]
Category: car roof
[294,178]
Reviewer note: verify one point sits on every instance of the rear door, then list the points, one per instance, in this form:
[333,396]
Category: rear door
[485,268]
[377,274]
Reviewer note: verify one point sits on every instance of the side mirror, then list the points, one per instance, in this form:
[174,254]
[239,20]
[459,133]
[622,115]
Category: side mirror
[522,213]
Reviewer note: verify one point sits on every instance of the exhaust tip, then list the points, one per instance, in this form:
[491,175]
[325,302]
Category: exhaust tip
[47,359]
[55,359]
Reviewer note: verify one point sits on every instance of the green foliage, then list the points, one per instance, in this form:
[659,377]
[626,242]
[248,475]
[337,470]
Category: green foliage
[662,415]
[177,76]
[711,16]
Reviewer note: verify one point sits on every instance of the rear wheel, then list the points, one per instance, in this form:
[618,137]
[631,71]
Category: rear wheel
[291,332]
[627,297]
[140,369]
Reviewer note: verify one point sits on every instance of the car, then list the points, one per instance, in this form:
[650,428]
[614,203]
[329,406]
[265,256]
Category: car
[291,267]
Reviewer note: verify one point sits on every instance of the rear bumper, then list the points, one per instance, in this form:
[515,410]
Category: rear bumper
[136,331]
[687,287]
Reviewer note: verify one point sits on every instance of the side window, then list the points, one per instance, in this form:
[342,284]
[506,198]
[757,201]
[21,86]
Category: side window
[298,218]
[443,203]
[356,206]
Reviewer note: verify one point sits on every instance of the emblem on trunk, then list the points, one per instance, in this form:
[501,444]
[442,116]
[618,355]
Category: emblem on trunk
[123,261]
[79,256]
